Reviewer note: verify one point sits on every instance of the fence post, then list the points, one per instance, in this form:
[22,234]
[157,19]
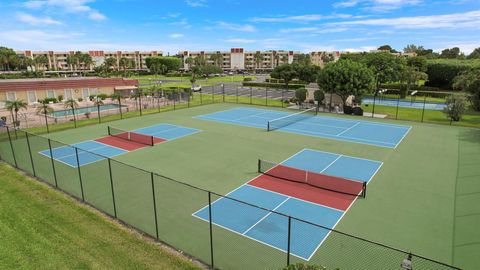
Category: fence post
[236,93]
[398,104]
[98,112]
[266,96]
[79,174]
[201,93]
[154,204]
[211,230]
[213,96]
[289,237]
[53,162]
[111,185]
[424,102]
[283,96]
[30,153]
[140,101]
[11,147]
[174,101]
[223,92]
[374,99]
[251,94]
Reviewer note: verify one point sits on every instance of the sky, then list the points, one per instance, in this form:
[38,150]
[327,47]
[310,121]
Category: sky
[210,25]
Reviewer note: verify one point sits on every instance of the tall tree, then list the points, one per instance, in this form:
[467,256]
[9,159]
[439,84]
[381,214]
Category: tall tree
[346,78]
[40,62]
[190,62]
[450,53]
[110,63]
[45,109]
[125,63]
[8,58]
[14,107]
[72,105]
[387,48]
[475,54]
[163,64]
[469,81]
[258,59]
[285,72]
[217,59]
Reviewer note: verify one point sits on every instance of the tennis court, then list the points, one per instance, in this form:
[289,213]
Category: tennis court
[293,198]
[118,142]
[405,103]
[365,132]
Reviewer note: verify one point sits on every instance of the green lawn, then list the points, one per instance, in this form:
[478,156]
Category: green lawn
[424,199]
[186,80]
[41,228]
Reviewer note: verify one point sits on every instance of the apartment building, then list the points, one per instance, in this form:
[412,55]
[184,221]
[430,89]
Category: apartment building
[32,90]
[320,58]
[57,61]
[239,59]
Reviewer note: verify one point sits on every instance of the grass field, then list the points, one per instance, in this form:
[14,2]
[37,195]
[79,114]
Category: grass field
[424,199]
[185,80]
[43,229]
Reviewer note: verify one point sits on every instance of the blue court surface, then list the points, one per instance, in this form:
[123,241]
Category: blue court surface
[272,228]
[405,103]
[166,131]
[365,132]
[67,154]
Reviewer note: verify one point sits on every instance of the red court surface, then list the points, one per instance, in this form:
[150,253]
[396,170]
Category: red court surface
[126,144]
[304,192]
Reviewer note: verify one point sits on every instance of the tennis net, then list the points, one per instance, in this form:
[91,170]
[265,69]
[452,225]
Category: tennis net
[131,136]
[291,119]
[323,181]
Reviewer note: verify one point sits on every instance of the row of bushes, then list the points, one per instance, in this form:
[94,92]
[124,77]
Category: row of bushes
[294,81]
[441,73]
[273,85]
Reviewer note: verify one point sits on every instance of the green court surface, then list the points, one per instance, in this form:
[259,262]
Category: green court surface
[424,199]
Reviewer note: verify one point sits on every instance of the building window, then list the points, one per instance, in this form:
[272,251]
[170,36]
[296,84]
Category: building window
[50,93]
[68,94]
[85,93]
[11,96]
[32,97]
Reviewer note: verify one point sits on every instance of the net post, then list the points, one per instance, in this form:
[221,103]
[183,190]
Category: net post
[111,186]
[53,162]
[11,147]
[153,140]
[79,174]
[30,153]
[259,165]
[109,132]
[424,102]
[211,229]
[364,190]
[268,125]
[154,204]
[289,239]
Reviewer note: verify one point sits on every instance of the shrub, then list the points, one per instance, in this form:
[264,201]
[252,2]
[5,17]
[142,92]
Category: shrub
[273,85]
[80,99]
[60,98]
[441,74]
[301,95]
[319,96]
[101,96]
[248,79]
[48,100]
[456,106]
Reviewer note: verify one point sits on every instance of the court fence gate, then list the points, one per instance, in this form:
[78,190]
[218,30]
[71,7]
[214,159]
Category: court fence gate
[150,203]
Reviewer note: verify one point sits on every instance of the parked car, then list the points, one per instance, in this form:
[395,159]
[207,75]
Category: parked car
[196,88]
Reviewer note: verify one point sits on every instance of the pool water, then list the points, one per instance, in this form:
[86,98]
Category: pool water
[83,110]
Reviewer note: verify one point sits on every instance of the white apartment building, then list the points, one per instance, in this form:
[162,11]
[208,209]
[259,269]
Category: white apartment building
[57,61]
[239,59]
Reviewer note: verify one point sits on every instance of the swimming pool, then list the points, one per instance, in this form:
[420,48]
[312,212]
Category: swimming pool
[83,110]
[405,103]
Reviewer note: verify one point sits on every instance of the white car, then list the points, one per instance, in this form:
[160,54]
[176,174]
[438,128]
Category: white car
[197,88]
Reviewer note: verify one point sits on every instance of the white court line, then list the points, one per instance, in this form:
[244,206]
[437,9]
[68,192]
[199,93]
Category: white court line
[331,163]
[269,213]
[320,151]
[348,129]
[404,135]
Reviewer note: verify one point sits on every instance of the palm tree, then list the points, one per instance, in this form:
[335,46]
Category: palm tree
[257,58]
[285,59]
[71,61]
[110,62]
[118,97]
[217,59]
[125,63]
[45,109]
[276,58]
[40,61]
[15,106]
[87,61]
[189,61]
[98,102]
[72,104]
[77,56]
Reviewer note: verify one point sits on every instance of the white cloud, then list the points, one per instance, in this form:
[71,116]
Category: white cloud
[456,20]
[236,27]
[302,18]
[30,19]
[313,30]
[39,36]
[241,40]
[377,5]
[196,3]
[176,35]
[68,6]
[182,23]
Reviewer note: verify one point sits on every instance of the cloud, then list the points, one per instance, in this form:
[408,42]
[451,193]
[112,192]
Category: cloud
[241,40]
[455,20]
[176,35]
[313,30]
[30,19]
[302,18]
[377,5]
[236,27]
[68,6]
[39,36]
[182,23]
[196,3]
